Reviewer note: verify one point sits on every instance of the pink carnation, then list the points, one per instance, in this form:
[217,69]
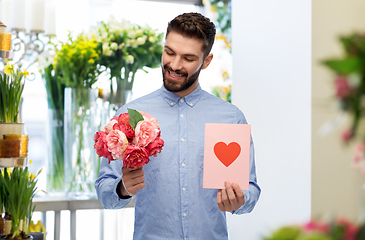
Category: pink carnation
[108,127]
[150,118]
[145,133]
[155,147]
[101,145]
[117,143]
[135,157]
[317,226]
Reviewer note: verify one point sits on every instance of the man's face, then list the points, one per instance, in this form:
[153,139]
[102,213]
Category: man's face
[182,61]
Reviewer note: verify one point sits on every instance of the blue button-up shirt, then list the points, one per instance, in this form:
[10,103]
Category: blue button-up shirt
[174,204]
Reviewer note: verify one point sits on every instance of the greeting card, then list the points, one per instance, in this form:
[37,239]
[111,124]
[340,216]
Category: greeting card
[226,155]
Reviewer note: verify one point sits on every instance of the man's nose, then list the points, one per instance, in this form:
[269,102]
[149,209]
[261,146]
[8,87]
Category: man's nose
[176,63]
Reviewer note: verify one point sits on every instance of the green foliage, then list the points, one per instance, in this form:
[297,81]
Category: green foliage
[18,189]
[224,18]
[11,89]
[134,117]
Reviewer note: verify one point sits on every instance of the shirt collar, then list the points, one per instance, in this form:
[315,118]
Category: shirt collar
[172,99]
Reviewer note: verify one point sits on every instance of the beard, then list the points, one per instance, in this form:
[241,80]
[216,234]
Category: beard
[174,86]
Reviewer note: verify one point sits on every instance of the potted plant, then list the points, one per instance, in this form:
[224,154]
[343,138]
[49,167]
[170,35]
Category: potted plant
[17,189]
[11,89]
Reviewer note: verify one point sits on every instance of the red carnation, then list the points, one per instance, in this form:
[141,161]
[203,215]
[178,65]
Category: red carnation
[101,146]
[135,157]
[155,146]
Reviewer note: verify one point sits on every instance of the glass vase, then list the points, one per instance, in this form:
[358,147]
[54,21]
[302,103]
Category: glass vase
[55,154]
[81,161]
[120,92]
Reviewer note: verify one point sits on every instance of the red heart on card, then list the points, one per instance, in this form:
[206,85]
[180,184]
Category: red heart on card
[227,154]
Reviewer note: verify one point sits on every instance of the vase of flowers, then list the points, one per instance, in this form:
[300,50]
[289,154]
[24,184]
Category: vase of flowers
[76,59]
[124,48]
[17,189]
[55,128]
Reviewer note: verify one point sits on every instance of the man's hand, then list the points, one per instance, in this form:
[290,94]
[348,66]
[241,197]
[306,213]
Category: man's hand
[231,198]
[133,180]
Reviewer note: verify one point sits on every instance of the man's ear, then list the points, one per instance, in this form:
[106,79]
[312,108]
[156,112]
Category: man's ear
[207,60]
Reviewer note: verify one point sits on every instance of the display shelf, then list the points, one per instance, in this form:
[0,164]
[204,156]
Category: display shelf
[13,162]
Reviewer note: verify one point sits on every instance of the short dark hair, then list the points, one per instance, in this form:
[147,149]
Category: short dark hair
[194,25]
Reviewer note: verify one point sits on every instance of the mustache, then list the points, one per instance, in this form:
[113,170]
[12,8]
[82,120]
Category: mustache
[168,68]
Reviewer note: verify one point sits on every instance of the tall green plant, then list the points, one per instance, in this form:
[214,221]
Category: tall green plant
[18,189]
[55,98]
[11,89]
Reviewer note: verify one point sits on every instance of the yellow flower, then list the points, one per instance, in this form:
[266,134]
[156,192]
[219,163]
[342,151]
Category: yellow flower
[225,75]
[9,69]
[91,61]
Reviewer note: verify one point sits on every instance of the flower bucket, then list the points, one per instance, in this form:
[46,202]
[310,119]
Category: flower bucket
[80,124]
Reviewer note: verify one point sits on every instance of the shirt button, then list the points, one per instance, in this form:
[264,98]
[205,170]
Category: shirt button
[171,103]
[181,100]
[183,164]
[182,139]
[184,214]
[184,189]
[191,104]
[182,115]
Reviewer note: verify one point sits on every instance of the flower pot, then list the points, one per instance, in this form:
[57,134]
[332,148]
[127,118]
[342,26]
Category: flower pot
[81,161]
[11,128]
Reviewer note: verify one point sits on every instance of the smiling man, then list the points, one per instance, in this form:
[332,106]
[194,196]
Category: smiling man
[170,201]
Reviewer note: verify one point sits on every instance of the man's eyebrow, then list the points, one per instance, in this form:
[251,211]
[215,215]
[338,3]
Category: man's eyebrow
[185,55]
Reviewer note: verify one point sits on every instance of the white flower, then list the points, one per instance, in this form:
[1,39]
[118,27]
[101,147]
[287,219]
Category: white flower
[134,43]
[139,32]
[108,52]
[152,39]
[114,46]
[141,40]
[131,34]
[130,59]
[105,46]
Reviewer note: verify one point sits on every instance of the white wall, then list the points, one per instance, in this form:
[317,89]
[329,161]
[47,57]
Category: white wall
[272,86]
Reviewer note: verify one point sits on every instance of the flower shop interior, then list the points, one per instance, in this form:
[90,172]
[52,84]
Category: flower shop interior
[293,68]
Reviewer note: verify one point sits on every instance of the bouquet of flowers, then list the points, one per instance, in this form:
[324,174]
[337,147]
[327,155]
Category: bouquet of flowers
[124,48]
[338,229]
[132,137]
[349,88]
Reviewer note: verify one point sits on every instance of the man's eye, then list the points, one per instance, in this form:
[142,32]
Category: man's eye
[189,60]
[169,53]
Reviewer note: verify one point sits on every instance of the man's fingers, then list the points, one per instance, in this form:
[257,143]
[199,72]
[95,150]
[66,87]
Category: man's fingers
[219,200]
[133,180]
[239,193]
[231,195]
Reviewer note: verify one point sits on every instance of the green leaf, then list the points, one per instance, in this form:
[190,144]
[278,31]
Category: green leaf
[134,117]
[344,66]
